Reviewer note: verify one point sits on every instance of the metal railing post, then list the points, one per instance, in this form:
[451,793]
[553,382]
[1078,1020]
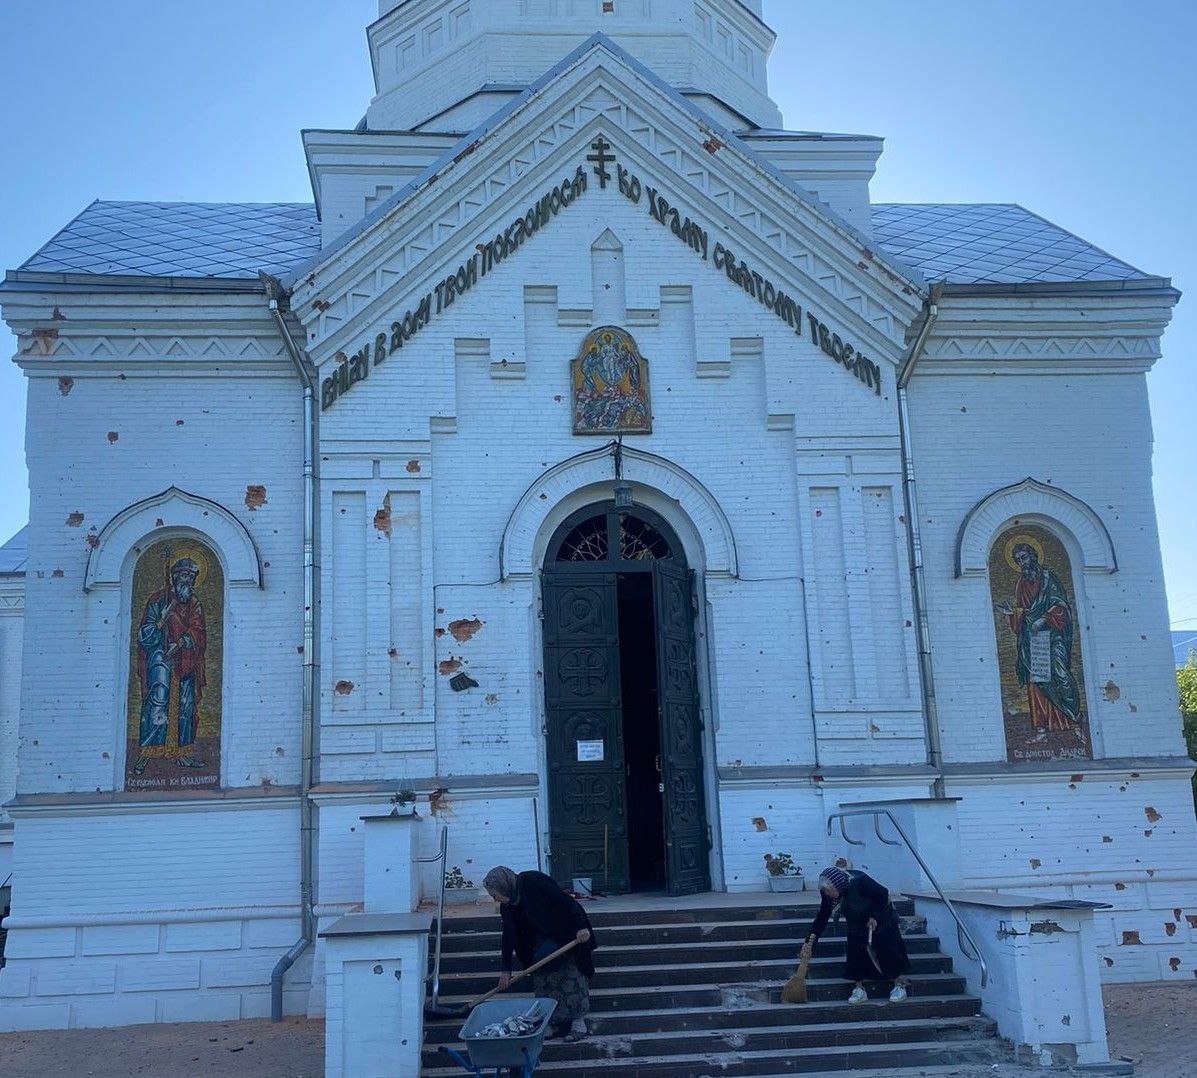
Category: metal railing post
[442,858]
[963,936]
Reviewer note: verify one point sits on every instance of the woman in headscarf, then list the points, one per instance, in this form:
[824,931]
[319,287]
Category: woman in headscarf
[867,910]
[538,919]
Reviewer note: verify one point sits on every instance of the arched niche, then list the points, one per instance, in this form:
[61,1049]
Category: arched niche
[173,510]
[1032,501]
[656,483]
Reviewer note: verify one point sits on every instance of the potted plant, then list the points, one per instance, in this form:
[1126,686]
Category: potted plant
[784,875]
[459,891]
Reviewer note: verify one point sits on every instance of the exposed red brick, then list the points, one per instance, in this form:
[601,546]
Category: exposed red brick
[382,518]
[413,467]
[759,823]
[255,497]
[74,520]
[449,666]
[42,342]
[1152,815]
[344,688]
[1131,939]
[1170,928]
[464,629]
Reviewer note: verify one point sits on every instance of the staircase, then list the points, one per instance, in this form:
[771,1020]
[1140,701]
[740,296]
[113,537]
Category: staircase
[695,991]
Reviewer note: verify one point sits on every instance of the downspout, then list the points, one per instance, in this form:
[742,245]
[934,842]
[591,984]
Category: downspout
[278,305]
[915,542]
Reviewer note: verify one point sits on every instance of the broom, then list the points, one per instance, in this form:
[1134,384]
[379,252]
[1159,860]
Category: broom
[794,990]
[435,1009]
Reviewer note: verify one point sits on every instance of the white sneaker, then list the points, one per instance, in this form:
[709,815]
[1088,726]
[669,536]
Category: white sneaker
[898,995]
[859,995]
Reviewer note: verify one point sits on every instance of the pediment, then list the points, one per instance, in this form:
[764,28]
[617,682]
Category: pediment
[598,125]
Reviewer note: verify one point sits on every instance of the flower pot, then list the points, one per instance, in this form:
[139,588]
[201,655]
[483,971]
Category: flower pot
[787,883]
[462,896]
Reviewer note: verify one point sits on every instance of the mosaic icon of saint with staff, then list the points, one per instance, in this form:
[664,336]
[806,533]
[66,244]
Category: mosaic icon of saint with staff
[172,642]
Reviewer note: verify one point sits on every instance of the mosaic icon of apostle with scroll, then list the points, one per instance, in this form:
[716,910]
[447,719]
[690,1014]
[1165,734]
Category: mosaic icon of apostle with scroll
[174,723]
[610,385]
[1042,697]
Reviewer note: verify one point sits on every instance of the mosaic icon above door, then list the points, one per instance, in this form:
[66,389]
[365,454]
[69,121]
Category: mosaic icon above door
[609,381]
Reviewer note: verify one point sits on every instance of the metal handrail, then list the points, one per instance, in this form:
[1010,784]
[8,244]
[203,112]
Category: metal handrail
[963,936]
[442,858]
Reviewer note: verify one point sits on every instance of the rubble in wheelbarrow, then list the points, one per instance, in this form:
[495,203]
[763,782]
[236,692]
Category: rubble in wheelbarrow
[518,1025]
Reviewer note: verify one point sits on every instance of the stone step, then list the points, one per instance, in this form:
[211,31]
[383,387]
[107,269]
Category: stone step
[715,992]
[623,956]
[621,1023]
[869,1058]
[668,970]
[456,941]
[789,908]
[887,1030]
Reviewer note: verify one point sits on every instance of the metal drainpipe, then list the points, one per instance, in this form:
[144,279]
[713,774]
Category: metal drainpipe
[915,544]
[277,297]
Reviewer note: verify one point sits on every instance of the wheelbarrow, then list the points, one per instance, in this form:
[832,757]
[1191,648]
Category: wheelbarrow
[509,1057]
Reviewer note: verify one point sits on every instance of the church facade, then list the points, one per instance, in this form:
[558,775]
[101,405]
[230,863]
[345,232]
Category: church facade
[597,465]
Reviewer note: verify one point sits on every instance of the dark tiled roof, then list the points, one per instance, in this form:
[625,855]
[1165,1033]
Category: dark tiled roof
[982,244]
[14,554]
[183,239]
[990,244]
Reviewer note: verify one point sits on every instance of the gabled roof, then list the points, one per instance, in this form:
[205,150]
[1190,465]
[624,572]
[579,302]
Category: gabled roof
[182,239]
[991,243]
[596,42]
[14,554]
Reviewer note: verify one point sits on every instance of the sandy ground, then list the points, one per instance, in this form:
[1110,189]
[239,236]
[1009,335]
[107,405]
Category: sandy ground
[1154,1026]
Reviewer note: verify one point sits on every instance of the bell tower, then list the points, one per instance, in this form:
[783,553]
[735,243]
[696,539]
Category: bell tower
[446,65]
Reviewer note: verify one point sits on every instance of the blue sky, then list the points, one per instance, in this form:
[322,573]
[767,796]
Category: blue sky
[1080,110]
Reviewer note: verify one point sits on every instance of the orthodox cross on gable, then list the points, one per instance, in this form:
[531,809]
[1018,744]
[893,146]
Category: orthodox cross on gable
[601,159]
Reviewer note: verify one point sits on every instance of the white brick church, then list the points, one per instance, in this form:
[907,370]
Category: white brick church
[595,462]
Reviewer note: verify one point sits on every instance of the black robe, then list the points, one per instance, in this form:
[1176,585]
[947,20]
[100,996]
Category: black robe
[863,898]
[541,919]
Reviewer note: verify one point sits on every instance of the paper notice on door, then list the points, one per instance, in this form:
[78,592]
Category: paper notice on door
[591,752]
[1041,657]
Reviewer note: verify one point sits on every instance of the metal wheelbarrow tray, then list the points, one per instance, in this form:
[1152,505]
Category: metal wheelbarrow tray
[521,1054]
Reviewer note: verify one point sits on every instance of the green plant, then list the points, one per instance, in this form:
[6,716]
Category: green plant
[1186,682]
[455,880]
[405,795]
[781,864]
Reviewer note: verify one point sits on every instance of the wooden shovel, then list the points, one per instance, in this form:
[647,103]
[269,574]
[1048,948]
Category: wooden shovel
[459,1009]
[795,988]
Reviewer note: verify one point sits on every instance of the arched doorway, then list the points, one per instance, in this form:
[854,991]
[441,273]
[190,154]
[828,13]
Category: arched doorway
[624,732]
